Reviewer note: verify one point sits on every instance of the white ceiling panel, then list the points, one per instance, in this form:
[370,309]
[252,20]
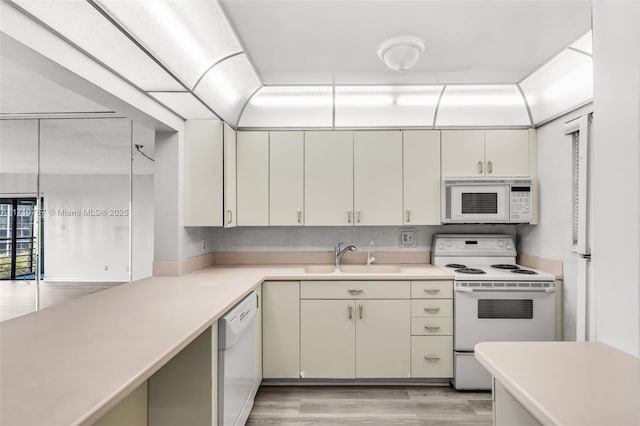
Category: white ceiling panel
[185,104]
[321,42]
[79,22]
[386,106]
[485,105]
[227,87]
[290,106]
[560,85]
[187,36]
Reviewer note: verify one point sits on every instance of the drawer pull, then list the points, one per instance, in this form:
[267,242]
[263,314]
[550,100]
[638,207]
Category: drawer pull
[432,327]
[355,291]
[431,357]
[432,290]
[432,309]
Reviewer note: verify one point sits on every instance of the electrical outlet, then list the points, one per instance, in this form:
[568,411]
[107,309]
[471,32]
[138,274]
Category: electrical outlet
[106,267]
[204,245]
[407,239]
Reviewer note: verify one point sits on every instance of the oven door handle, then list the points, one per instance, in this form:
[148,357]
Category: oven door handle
[503,290]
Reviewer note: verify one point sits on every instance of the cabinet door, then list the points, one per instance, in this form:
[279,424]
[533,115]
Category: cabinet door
[432,356]
[421,177]
[327,339]
[253,178]
[383,340]
[281,329]
[286,179]
[507,152]
[259,331]
[203,175]
[463,152]
[328,175]
[229,177]
[377,171]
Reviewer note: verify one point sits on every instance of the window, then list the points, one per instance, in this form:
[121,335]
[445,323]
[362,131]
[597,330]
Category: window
[18,251]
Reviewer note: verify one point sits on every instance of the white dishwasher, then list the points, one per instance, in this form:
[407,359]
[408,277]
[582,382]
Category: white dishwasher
[237,362]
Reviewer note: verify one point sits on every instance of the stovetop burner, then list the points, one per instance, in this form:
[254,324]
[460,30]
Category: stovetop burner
[456,265]
[524,271]
[472,271]
[505,266]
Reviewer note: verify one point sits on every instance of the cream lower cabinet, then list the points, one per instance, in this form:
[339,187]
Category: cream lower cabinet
[432,329]
[344,335]
[281,329]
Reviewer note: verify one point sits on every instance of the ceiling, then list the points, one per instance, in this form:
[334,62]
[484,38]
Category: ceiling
[313,42]
[24,91]
[262,63]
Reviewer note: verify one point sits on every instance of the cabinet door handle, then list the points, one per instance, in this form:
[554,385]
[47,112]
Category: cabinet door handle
[229,216]
[348,215]
[432,290]
[350,311]
[355,291]
[489,167]
[432,308]
[360,309]
[358,215]
[432,327]
[408,216]
[299,216]
[479,167]
[432,357]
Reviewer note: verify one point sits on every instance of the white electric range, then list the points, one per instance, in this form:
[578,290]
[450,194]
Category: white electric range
[494,299]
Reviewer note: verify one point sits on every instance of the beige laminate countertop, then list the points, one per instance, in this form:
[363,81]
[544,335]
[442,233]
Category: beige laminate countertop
[71,363]
[568,383]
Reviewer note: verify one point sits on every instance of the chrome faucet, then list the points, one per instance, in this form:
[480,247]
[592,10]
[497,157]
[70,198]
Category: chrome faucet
[341,251]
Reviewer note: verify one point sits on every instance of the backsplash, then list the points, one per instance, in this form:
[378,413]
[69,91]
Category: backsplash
[385,238]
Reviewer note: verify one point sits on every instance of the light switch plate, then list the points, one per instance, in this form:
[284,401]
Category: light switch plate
[407,239]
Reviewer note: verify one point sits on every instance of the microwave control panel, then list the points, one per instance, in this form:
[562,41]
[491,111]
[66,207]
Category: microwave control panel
[520,203]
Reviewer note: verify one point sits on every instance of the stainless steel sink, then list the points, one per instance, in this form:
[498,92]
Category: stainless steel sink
[319,269]
[371,269]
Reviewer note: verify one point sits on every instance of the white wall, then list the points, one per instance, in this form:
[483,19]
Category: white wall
[616,173]
[552,237]
[386,238]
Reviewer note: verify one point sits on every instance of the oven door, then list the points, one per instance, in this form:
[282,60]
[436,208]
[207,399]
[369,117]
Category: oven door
[483,315]
[477,203]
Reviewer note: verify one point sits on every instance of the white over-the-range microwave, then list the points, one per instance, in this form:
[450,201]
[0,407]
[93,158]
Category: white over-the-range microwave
[486,200]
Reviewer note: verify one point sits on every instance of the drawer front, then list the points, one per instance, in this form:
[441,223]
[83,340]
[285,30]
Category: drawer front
[432,308]
[432,356]
[437,326]
[355,290]
[431,289]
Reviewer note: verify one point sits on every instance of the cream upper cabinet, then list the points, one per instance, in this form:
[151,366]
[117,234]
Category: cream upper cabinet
[203,175]
[286,178]
[485,153]
[383,339]
[230,178]
[327,334]
[252,178]
[463,153]
[377,175]
[507,152]
[328,178]
[421,177]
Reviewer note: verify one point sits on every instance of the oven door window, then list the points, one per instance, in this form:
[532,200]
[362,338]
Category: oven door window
[505,309]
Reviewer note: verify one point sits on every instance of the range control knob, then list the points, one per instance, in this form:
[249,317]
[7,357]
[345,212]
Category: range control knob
[509,246]
[500,243]
[440,245]
[448,243]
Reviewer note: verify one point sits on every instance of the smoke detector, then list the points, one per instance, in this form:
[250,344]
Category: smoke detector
[401,53]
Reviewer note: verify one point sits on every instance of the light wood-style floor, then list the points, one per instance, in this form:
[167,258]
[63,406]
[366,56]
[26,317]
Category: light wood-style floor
[369,405]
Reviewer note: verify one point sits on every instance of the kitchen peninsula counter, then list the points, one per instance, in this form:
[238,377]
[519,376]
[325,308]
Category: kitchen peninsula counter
[564,383]
[73,362]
